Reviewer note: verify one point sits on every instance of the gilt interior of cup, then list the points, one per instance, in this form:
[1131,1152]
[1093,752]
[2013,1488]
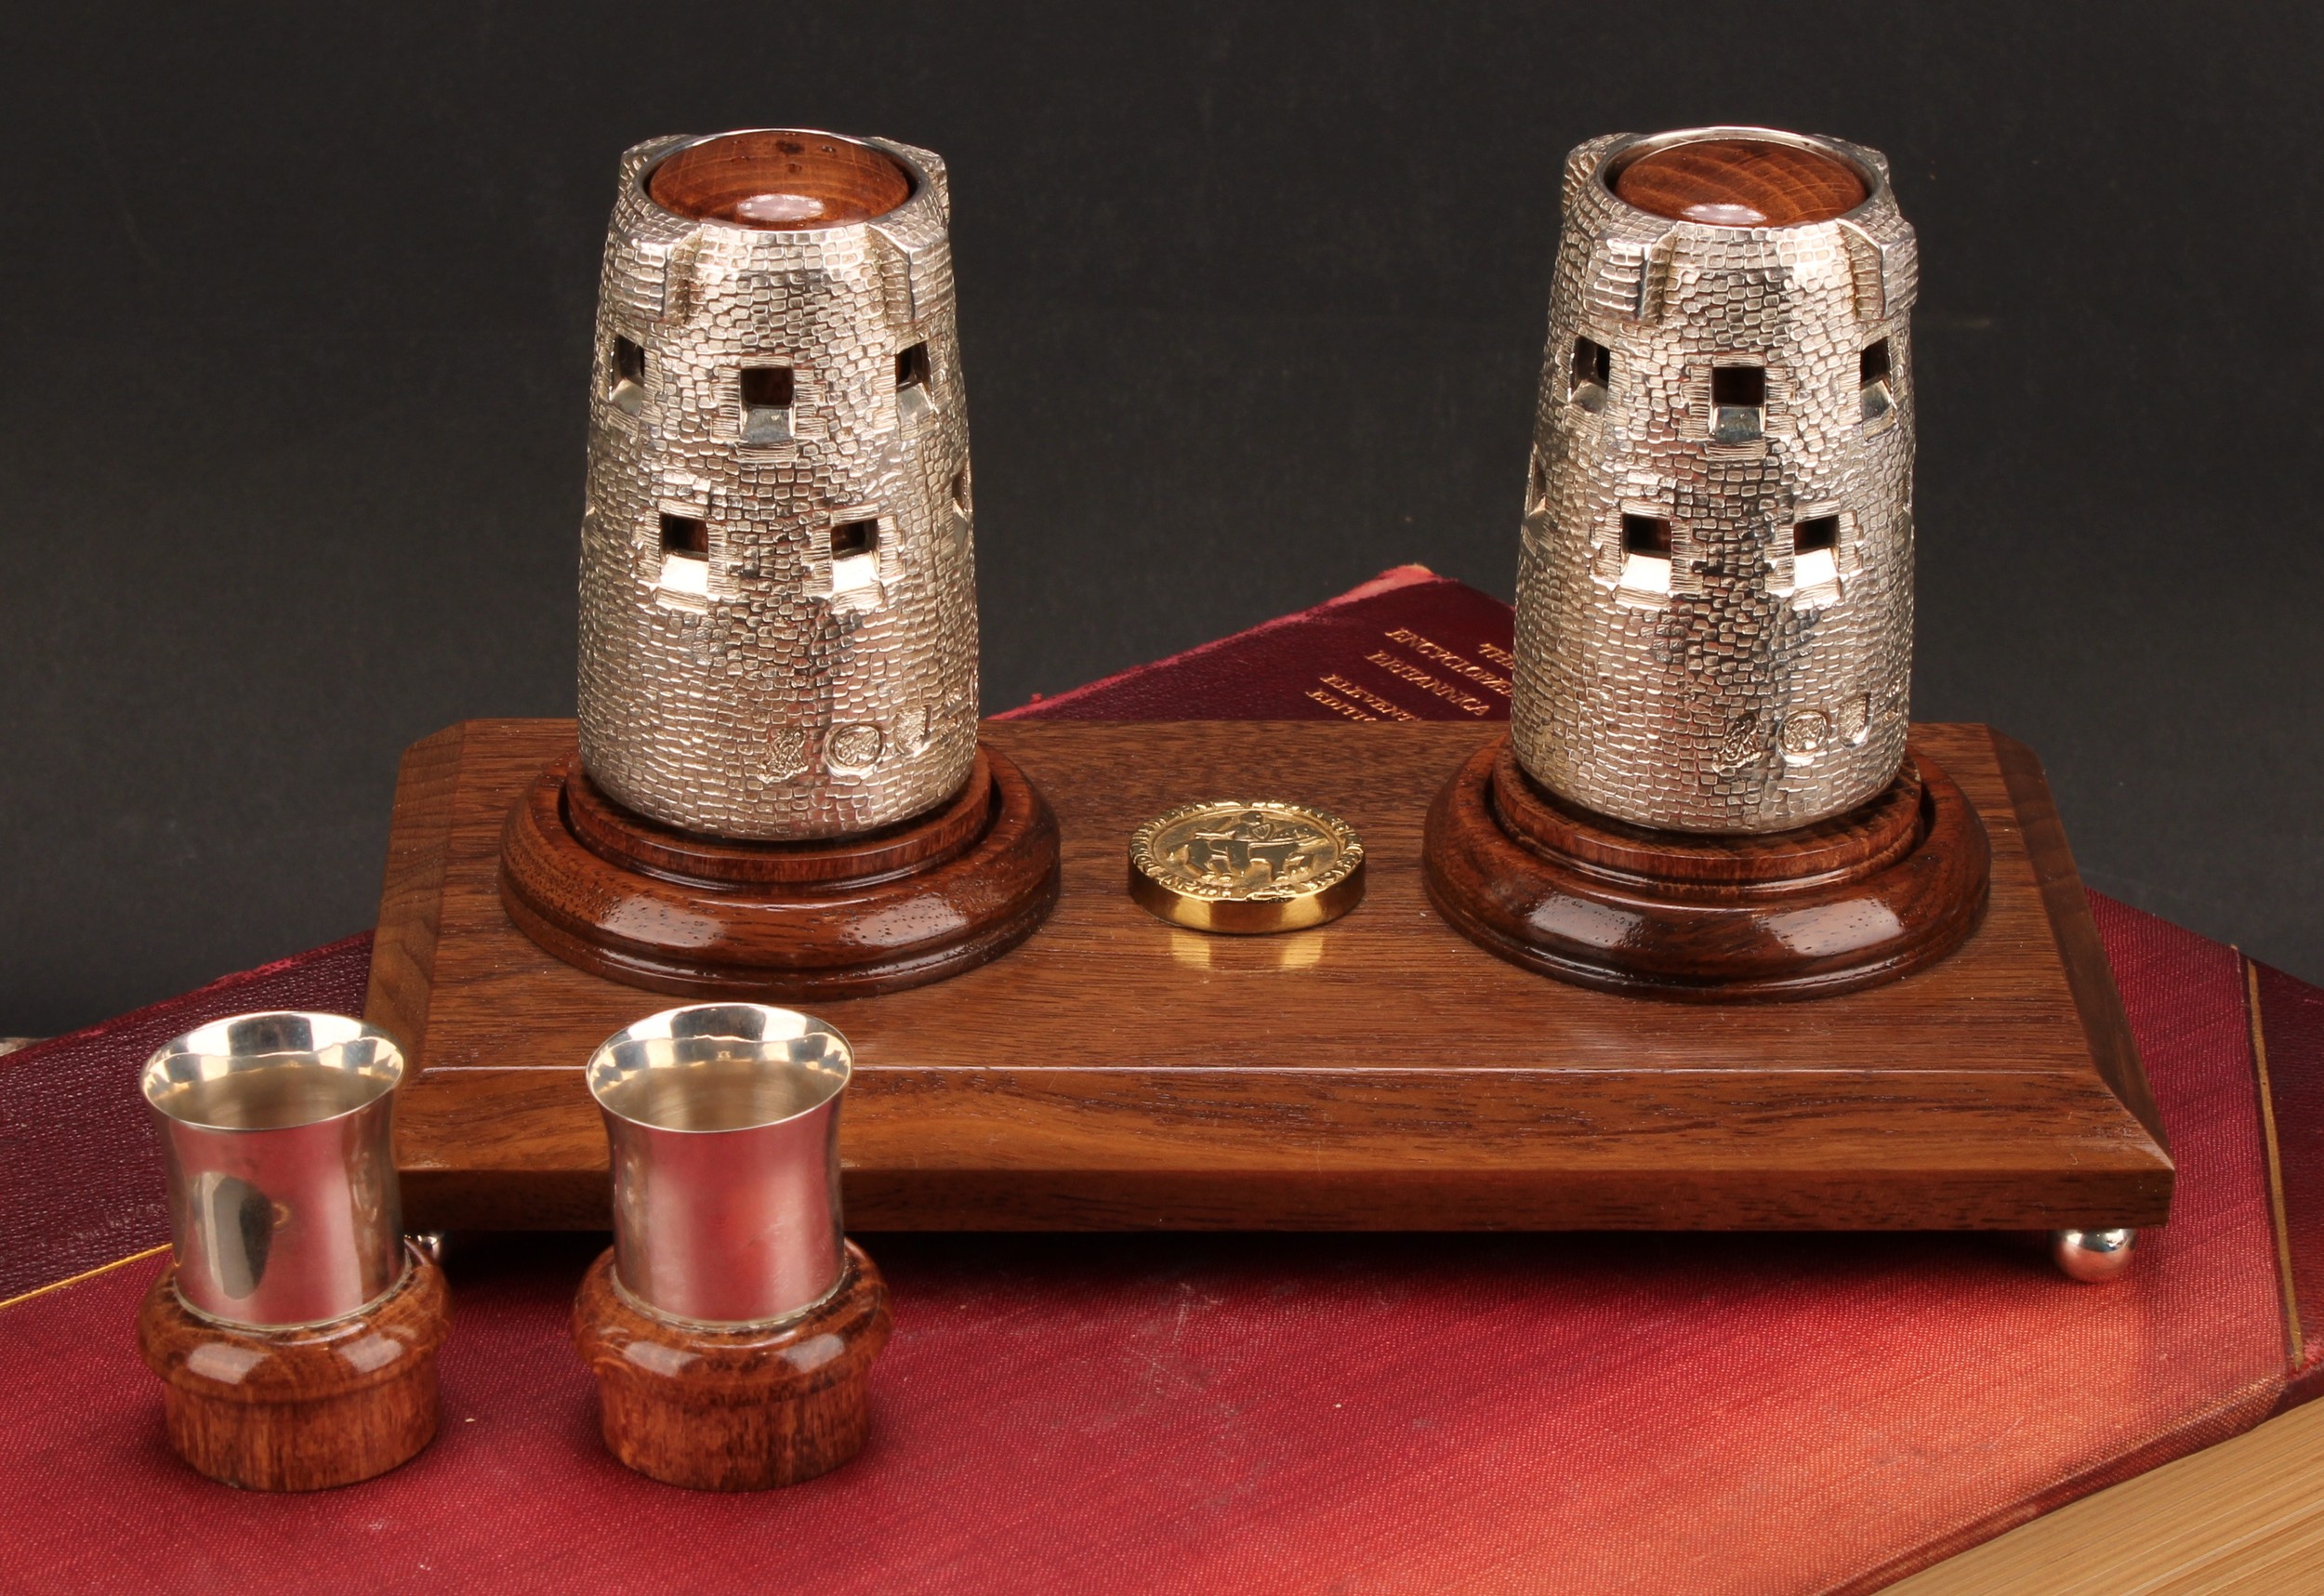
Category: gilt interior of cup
[272,1071]
[719,1066]
[780,179]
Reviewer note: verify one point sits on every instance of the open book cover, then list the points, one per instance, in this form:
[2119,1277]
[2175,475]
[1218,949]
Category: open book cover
[1562,1412]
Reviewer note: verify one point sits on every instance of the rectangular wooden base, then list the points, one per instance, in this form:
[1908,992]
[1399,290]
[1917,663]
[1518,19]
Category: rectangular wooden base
[1379,1073]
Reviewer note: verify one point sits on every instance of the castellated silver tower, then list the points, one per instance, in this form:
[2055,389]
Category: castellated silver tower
[1714,602]
[778,587]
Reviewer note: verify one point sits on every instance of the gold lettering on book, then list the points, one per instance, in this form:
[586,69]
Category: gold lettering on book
[1500,656]
[1404,670]
[1369,700]
[1438,653]
[1339,705]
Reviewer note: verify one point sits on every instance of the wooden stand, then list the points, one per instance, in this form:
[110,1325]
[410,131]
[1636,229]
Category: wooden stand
[299,1409]
[1381,1071]
[1847,903]
[653,907]
[740,1409]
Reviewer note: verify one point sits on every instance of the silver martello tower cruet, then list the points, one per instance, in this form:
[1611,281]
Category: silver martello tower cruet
[778,577]
[1714,605]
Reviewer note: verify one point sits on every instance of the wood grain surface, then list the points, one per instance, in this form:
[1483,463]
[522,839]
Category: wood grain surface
[780,181]
[2088,975]
[623,837]
[299,1409]
[635,900]
[741,1409]
[1380,1072]
[1740,182]
[1867,838]
[1852,902]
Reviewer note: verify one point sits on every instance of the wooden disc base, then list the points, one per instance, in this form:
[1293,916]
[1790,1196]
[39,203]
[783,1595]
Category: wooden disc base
[1847,903]
[649,905]
[733,1410]
[299,1409]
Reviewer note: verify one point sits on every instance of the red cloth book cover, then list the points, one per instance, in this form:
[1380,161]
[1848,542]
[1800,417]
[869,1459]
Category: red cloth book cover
[1425,1413]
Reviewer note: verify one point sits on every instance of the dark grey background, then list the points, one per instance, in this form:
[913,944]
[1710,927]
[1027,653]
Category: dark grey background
[297,314]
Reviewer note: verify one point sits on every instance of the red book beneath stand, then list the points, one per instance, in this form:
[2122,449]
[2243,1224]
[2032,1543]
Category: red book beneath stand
[1576,1414]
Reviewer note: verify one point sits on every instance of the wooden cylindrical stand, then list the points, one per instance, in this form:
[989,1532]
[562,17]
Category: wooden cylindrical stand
[1847,903]
[739,1409]
[655,907]
[301,1408]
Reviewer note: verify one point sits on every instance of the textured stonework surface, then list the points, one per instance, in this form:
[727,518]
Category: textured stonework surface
[1738,684]
[789,682]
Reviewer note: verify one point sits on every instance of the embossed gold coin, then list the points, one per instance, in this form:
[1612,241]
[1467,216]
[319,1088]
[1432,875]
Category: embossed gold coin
[1246,867]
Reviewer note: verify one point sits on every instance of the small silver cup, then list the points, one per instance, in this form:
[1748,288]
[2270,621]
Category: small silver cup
[724,1121]
[282,1200]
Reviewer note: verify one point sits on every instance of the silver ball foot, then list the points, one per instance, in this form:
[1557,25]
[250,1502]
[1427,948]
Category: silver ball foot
[430,1245]
[2092,1257]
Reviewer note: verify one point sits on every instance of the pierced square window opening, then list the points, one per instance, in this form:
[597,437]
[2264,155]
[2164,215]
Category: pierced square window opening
[912,366]
[1815,557]
[855,556]
[1876,384]
[685,556]
[1646,535]
[625,385]
[1646,559]
[767,386]
[1590,374]
[1733,386]
[1738,403]
[767,395]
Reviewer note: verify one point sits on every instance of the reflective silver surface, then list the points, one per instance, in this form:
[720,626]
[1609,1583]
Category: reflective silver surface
[2094,1257]
[282,1199]
[1714,599]
[724,1121]
[778,600]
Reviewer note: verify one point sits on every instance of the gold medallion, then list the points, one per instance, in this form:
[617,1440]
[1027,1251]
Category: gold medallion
[1246,867]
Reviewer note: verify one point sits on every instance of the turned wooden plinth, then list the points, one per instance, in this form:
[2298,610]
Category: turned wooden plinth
[1119,1072]
[1846,903]
[737,1409]
[303,1408]
[653,907]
